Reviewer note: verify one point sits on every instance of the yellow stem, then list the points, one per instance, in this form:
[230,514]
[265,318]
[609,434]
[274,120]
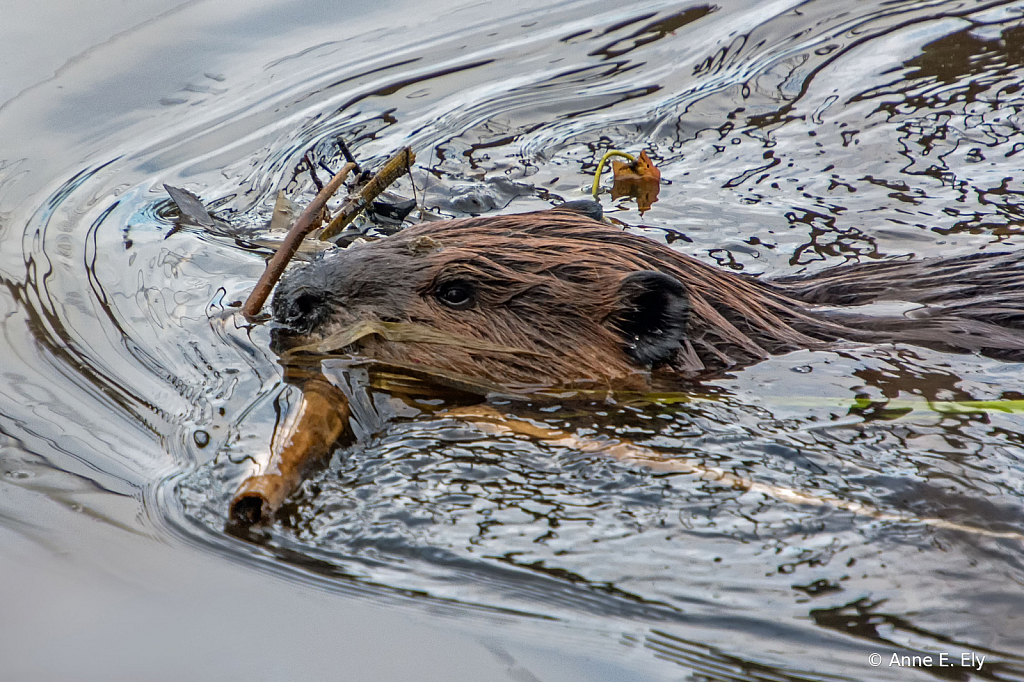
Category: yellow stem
[600,166]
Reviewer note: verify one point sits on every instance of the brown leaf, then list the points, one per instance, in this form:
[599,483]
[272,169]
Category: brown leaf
[639,179]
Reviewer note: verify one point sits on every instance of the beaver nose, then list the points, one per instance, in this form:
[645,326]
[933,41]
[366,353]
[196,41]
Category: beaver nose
[300,307]
[301,312]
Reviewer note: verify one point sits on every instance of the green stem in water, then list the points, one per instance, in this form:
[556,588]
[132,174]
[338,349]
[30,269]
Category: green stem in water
[600,166]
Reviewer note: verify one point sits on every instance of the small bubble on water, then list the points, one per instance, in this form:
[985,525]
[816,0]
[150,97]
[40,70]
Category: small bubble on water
[201,438]
[802,369]
[18,475]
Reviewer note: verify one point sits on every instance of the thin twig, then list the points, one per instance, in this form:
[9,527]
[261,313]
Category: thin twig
[328,168]
[392,170]
[312,172]
[306,223]
[412,181]
[347,154]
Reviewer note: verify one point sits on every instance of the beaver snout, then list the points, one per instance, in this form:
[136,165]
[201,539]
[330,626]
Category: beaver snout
[302,301]
[303,312]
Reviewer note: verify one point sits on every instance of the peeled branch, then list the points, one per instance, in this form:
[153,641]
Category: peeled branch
[320,422]
[396,167]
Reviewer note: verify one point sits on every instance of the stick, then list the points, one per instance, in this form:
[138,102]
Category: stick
[347,154]
[306,223]
[491,421]
[321,421]
[397,165]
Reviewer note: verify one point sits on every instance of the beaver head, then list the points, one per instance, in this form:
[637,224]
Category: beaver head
[540,299]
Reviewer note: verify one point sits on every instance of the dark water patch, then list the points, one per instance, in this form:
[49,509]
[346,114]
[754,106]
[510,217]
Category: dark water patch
[649,33]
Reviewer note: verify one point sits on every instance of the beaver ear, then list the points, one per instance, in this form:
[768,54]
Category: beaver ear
[650,315]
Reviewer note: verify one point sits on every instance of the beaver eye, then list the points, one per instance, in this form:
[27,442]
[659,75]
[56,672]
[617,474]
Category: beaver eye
[457,295]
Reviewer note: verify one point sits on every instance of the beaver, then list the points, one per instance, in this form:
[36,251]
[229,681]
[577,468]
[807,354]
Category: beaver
[561,298]
[557,299]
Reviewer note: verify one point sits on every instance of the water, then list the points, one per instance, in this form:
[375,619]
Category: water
[790,136]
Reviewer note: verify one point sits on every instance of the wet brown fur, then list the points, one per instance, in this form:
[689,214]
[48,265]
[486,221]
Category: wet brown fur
[547,283]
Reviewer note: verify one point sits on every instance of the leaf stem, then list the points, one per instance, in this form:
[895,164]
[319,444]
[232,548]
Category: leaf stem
[600,167]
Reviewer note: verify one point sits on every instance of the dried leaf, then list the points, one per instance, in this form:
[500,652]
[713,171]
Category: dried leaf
[190,207]
[639,179]
[285,213]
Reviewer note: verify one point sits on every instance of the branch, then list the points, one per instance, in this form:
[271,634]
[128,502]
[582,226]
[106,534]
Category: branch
[306,223]
[396,166]
[322,419]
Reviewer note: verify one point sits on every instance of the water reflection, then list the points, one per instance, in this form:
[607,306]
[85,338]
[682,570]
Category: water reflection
[955,105]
